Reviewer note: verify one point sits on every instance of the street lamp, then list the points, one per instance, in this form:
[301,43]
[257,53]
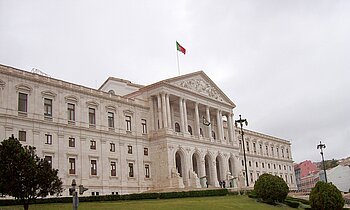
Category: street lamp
[241,121]
[321,147]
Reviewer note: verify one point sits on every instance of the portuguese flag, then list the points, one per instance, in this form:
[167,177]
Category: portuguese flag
[180,48]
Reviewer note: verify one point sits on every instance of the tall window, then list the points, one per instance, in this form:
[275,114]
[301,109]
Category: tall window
[113,168]
[48,107]
[93,144]
[201,132]
[48,139]
[71,112]
[22,102]
[110,119]
[49,160]
[177,127]
[144,126]
[131,170]
[93,167]
[247,143]
[145,151]
[272,152]
[267,150]
[278,155]
[129,149]
[71,165]
[22,135]
[287,153]
[146,170]
[213,134]
[71,142]
[254,147]
[282,152]
[92,117]
[128,123]
[240,144]
[189,128]
[112,149]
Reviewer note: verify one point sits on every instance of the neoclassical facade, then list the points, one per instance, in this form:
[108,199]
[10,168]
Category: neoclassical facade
[127,138]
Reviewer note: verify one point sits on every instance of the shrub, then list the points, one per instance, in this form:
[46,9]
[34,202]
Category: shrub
[271,189]
[300,200]
[325,196]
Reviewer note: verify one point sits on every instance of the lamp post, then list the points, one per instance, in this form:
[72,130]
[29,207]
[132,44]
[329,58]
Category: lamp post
[241,121]
[321,147]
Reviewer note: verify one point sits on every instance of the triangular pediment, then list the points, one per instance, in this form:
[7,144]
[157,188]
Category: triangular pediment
[200,83]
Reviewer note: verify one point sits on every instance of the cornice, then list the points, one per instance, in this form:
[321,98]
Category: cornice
[263,136]
[17,73]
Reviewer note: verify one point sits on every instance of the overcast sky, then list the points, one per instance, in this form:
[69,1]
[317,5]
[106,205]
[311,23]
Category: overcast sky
[285,64]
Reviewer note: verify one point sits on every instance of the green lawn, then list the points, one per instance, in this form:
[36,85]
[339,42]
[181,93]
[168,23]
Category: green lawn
[222,202]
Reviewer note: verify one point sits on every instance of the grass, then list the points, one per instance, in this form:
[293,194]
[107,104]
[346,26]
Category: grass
[221,202]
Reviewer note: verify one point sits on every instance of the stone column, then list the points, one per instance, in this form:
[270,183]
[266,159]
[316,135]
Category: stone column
[164,111]
[197,126]
[202,172]
[181,108]
[208,119]
[160,123]
[168,110]
[185,117]
[230,127]
[218,124]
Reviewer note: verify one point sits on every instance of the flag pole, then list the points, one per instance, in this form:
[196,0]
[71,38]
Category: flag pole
[178,66]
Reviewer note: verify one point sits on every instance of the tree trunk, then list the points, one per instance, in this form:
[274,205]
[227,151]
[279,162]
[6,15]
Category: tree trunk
[26,206]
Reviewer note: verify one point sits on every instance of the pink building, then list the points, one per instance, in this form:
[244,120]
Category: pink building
[306,175]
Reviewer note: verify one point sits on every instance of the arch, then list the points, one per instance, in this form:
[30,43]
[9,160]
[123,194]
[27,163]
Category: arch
[231,165]
[196,163]
[180,162]
[189,128]
[177,127]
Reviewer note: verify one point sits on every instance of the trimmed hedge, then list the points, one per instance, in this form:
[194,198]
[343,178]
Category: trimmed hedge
[293,204]
[137,196]
[303,201]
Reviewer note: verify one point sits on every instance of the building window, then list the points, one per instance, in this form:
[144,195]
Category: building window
[189,128]
[254,147]
[128,123]
[112,149]
[71,112]
[129,149]
[251,178]
[279,166]
[287,153]
[113,168]
[247,143]
[71,165]
[144,126]
[48,107]
[48,139]
[257,175]
[267,150]
[282,153]
[145,151]
[92,144]
[92,117]
[291,179]
[278,155]
[93,167]
[131,170]
[242,163]
[22,102]
[49,160]
[261,150]
[250,164]
[177,127]
[240,144]
[71,142]
[256,164]
[272,153]
[268,166]
[201,132]
[22,135]
[110,119]
[146,170]
[213,134]
[263,165]
[284,167]
[274,166]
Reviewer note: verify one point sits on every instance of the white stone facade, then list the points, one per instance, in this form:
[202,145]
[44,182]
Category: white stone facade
[126,138]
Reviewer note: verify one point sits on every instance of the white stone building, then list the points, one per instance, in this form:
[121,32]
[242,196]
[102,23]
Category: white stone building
[126,138]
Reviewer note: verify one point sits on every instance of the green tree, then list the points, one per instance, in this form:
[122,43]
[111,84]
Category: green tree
[271,189]
[325,196]
[24,175]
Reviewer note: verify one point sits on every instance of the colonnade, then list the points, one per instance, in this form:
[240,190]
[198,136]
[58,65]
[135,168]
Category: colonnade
[164,117]
[208,167]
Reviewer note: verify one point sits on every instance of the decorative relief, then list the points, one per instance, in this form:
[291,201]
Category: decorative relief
[2,84]
[202,87]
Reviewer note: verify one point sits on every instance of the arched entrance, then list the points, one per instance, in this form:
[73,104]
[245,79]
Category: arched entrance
[231,165]
[219,172]
[196,163]
[208,166]
[179,163]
